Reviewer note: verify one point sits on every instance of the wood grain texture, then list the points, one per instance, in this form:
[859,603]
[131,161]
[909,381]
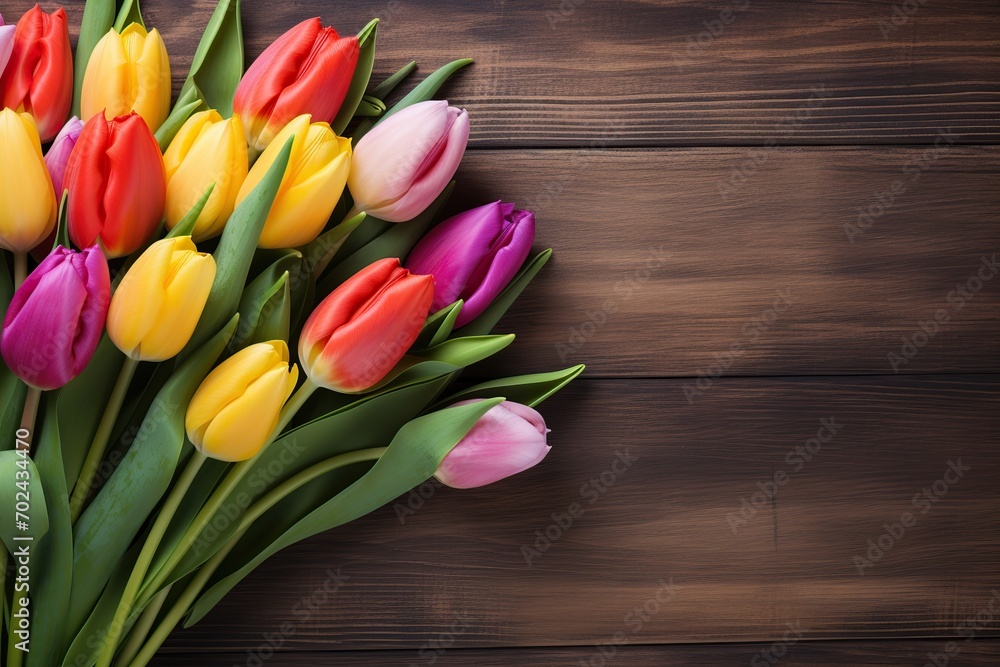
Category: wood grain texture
[650,73]
[657,274]
[458,559]
[981,653]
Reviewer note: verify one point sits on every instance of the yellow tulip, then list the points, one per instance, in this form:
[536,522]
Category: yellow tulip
[237,406]
[27,201]
[155,309]
[128,72]
[206,150]
[314,180]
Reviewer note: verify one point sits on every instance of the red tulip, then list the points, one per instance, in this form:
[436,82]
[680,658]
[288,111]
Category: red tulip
[308,70]
[364,327]
[38,77]
[117,185]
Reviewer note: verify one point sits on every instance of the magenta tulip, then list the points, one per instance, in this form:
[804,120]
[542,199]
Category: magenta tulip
[58,153]
[55,320]
[6,43]
[473,256]
[508,439]
[404,163]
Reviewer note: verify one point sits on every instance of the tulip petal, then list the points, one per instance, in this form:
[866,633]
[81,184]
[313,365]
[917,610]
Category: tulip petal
[186,291]
[323,80]
[58,154]
[106,82]
[138,301]
[498,268]
[86,178]
[28,212]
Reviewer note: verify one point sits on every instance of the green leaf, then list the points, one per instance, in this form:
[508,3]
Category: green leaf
[370,107]
[527,389]
[423,91]
[359,82]
[465,351]
[107,527]
[397,241]
[12,390]
[16,467]
[412,457]
[53,560]
[218,61]
[383,90]
[370,421]
[87,643]
[98,18]
[235,252]
[267,312]
[316,255]
[186,105]
[438,326]
[185,225]
[62,228]
[81,405]
[489,317]
[128,14]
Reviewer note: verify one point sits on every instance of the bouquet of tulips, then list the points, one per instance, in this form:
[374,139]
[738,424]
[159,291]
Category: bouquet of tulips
[231,321]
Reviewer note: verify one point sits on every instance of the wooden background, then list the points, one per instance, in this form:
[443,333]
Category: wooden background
[685,179]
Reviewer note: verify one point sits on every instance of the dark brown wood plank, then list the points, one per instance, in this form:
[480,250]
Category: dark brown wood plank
[625,73]
[657,274]
[980,653]
[673,515]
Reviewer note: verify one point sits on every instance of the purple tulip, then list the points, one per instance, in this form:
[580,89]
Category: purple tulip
[55,320]
[58,154]
[406,161]
[508,439]
[6,43]
[473,256]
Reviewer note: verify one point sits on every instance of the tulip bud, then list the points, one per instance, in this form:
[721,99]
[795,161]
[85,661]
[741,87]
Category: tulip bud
[508,439]
[236,408]
[55,319]
[128,72]
[405,162]
[58,154]
[6,43]
[38,78]
[27,201]
[311,187]
[473,256]
[116,185]
[364,327]
[206,150]
[308,70]
[155,309]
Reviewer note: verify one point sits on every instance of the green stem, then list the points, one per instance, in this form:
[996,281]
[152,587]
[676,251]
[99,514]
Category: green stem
[19,600]
[20,268]
[137,637]
[156,534]
[221,493]
[194,588]
[100,444]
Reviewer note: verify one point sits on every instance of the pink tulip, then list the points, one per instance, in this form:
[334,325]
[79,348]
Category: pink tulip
[6,43]
[508,439]
[473,256]
[55,320]
[404,163]
[58,153]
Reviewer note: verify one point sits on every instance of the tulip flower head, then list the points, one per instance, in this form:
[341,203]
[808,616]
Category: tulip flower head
[308,70]
[159,302]
[207,150]
[473,256]
[311,187]
[58,154]
[128,72]
[55,319]
[6,43]
[235,410]
[364,327]
[116,185]
[27,201]
[508,439]
[405,162]
[38,76]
